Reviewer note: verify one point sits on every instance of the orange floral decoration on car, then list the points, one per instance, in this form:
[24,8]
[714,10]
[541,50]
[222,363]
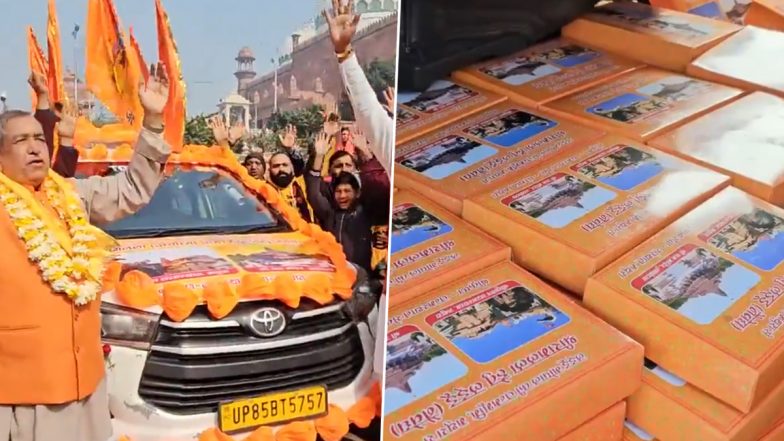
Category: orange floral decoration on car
[137,289]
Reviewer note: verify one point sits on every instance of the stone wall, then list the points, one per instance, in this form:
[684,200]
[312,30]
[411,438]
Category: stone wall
[315,70]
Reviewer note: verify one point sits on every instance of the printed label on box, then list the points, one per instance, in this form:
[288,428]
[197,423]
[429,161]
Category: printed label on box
[655,20]
[511,128]
[756,238]
[439,96]
[446,157]
[622,167]
[697,283]
[416,366]
[527,68]
[559,200]
[412,225]
[497,321]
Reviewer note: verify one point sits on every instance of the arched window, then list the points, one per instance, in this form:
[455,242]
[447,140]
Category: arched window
[362,6]
[375,5]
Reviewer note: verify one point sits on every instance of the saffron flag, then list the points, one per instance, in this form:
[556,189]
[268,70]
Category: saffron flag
[55,71]
[35,59]
[139,57]
[112,73]
[174,113]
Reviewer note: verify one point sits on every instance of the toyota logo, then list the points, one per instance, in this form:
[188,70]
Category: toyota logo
[267,322]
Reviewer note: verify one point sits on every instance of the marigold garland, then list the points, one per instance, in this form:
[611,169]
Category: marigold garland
[68,250]
[138,290]
[332,427]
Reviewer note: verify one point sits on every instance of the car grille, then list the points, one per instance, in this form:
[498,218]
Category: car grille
[197,364]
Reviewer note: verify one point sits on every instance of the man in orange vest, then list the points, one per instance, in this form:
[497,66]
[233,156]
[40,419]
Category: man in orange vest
[52,375]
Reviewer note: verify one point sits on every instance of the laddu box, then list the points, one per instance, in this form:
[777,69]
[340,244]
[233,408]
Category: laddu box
[443,102]
[643,103]
[481,152]
[607,426]
[659,37]
[431,247]
[768,14]
[704,297]
[748,60]
[546,72]
[568,219]
[669,408]
[728,10]
[498,351]
[744,140]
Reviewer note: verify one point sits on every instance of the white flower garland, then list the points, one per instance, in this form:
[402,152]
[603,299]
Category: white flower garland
[69,275]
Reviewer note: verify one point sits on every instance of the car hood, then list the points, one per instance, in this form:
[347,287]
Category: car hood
[196,260]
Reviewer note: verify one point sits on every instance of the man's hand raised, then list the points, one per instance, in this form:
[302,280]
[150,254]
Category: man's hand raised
[342,22]
[154,94]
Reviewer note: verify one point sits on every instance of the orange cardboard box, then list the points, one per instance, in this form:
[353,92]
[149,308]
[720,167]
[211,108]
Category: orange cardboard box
[744,140]
[727,10]
[776,434]
[498,351]
[704,296]
[659,37]
[568,219]
[747,60]
[672,409]
[481,152]
[607,426]
[431,247]
[546,72]
[768,14]
[644,103]
[444,102]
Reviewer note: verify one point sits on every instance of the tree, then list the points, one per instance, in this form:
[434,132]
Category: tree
[198,132]
[380,74]
[308,121]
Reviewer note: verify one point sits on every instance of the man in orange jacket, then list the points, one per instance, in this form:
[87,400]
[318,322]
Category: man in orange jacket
[52,375]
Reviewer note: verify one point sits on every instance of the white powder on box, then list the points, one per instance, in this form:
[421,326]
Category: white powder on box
[746,137]
[754,55]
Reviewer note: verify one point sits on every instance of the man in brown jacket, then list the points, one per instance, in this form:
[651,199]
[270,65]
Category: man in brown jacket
[52,375]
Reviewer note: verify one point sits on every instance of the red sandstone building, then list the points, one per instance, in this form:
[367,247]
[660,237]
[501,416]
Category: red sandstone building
[307,71]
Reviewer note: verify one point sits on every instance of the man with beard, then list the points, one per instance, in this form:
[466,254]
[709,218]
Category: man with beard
[291,188]
[255,165]
[343,214]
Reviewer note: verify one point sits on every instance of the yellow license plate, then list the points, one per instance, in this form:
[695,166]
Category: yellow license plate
[272,409]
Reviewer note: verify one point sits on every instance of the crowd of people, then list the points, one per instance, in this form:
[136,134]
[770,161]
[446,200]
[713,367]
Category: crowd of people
[340,180]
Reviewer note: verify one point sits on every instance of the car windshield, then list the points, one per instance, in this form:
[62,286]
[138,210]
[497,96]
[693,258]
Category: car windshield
[192,202]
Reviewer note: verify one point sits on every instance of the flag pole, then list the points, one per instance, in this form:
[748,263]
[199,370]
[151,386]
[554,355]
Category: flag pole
[76,66]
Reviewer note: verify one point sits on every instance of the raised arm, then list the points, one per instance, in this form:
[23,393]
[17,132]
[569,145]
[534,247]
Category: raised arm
[43,113]
[371,116]
[316,198]
[110,198]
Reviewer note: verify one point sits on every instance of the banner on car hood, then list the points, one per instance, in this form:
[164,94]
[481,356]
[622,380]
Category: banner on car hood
[191,260]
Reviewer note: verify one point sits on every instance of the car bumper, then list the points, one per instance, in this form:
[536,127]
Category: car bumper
[140,421]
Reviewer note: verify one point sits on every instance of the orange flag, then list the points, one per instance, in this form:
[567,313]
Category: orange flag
[113,73]
[174,113]
[35,59]
[138,53]
[55,71]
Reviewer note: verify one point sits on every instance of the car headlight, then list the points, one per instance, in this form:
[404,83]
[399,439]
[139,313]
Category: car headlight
[127,327]
[363,299]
